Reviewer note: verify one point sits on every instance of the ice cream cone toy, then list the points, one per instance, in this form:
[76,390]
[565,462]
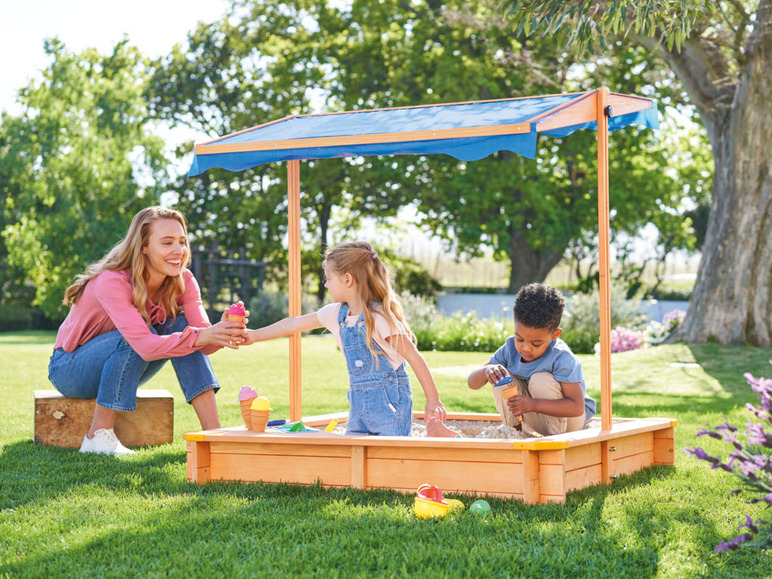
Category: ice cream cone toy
[246,395]
[236,313]
[261,410]
[507,389]
[429,502]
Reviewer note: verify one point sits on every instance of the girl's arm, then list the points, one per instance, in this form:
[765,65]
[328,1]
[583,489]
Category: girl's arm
[409,352]
[282,328]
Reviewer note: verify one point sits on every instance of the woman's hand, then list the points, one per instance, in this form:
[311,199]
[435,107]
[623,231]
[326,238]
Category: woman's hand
[223,334]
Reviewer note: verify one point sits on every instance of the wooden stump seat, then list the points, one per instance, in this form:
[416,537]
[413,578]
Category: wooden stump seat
[61,421]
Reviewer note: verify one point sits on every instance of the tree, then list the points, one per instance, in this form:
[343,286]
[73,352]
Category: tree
[395,53]
[262,62]
[76,165]
[722,54]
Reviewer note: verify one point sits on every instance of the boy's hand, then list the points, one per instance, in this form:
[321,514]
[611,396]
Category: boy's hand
[495,372]
[519,405]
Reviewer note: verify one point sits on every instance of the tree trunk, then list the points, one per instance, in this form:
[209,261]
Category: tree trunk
[527,265]
[732,299]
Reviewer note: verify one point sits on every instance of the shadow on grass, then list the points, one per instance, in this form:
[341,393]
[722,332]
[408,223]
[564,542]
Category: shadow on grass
[245,530]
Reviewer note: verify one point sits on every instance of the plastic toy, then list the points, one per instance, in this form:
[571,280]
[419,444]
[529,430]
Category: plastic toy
[429,502]
[480,508]
[331,426]
[455,505]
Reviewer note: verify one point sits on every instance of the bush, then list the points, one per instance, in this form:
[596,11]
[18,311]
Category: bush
[270,307]
[410,277]
[13,318]
[459,332]
[624,340]
[581,321]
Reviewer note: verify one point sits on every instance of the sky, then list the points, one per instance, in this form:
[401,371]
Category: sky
[154,26]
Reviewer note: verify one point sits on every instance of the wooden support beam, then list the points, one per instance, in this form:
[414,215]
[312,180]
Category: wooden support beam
[601,101]
[295,287]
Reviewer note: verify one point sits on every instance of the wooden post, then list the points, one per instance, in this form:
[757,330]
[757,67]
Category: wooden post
[603,266]
[293,232]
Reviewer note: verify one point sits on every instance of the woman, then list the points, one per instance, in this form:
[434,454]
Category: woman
[131,311]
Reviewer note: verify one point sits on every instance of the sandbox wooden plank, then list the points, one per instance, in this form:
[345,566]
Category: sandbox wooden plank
[253,468]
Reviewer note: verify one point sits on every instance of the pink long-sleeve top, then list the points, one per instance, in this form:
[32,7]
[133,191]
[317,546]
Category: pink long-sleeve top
[106,304]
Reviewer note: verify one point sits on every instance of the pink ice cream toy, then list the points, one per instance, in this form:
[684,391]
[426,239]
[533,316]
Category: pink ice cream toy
[247,393]
[237,310]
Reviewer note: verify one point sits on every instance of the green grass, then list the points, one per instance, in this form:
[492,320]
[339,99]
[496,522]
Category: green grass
[66,514]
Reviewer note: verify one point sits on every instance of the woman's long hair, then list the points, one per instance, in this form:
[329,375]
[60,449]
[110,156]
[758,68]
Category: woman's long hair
[127,254]
[359,259]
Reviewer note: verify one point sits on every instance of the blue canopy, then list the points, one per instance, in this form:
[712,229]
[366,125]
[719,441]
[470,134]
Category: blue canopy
[466,131]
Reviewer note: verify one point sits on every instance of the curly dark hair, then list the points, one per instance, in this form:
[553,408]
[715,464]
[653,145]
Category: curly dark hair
[539,306]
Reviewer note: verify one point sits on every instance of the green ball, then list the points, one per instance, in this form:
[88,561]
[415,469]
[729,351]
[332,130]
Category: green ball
[480,507]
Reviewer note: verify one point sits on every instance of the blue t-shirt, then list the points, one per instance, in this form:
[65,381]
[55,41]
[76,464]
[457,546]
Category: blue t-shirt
[558,360]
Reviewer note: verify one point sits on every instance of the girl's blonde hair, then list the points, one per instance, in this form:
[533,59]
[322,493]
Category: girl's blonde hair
[359,259]
[127,254]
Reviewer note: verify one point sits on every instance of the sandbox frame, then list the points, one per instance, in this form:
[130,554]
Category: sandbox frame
[533,470]
[536,470]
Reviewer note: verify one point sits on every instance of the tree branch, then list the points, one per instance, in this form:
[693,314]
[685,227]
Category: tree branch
[702,69]
[762,31]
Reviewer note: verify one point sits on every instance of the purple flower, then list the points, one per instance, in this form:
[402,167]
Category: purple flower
[673,319]
[753,465]
[756,435]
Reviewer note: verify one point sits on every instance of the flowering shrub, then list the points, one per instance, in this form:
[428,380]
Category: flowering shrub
[673,320]
[655,333]
[581,320]
[751,462]
[623,339]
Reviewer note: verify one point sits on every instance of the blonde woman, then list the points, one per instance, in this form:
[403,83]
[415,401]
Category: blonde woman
[367,320]
[133,310]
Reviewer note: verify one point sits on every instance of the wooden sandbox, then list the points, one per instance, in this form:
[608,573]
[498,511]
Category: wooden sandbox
[535,470]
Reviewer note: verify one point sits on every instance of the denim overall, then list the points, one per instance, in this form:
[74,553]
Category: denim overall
[380,398]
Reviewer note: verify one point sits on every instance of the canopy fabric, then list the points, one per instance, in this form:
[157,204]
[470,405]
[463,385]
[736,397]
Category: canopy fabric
[466,131]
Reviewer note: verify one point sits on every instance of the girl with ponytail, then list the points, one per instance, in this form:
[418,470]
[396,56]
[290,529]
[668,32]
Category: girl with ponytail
[368,322]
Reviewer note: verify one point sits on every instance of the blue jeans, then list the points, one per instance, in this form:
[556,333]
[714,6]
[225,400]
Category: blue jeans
[106,368]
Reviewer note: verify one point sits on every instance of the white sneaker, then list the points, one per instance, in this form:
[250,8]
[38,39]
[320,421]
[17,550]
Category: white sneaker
[104,442]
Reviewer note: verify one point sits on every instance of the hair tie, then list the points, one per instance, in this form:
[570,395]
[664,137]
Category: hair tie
[375,255]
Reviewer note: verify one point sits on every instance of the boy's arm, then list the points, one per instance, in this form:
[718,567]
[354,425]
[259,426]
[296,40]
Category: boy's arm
[409,352]
[572,403]
[285,327]
[489,373]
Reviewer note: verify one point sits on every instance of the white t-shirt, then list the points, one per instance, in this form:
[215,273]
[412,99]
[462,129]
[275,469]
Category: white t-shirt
[328,317]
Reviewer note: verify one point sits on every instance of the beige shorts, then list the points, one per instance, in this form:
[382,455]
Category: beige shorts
[544,386]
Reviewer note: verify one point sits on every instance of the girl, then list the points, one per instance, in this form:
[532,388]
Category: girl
[367,320]
[131,311]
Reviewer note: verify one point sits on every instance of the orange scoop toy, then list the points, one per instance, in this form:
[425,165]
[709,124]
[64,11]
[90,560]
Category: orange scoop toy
[429,502]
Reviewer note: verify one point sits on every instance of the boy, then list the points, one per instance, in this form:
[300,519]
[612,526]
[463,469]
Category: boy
[553,396]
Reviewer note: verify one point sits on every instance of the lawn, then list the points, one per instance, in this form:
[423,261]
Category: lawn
[67,514]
